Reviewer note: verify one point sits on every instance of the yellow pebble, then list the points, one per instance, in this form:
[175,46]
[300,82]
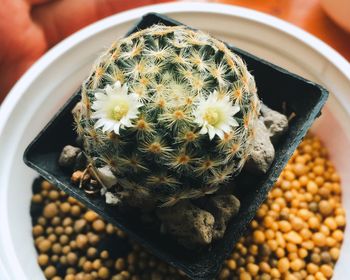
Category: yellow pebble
[280,239]
[269,234]
[330,242]
[319,239]
[275,273]
[280,252]
[44,246]
[334,253]
[313,222]
[50,210]
[297,264]
[319,276]
[103,273]
[303,180]
[253,269]
[305,233]
[299,169]
[325,207]
[340,220]
[326,270]
[302,253]
[312,187]
[231,264]
[297,223]
[283,265]
[90,216]
[50,272]
[338,235]
[325,230]
[245,276]
[43,259]
[318,170]
[330,223]
[304,214]
[284,226]
[265,267]
[293,237]
[258,237]
[308,245]
[291,248]
[272,244]
[98,225]
[311,268]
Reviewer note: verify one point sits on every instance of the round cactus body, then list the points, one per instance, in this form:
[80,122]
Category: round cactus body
[171,112]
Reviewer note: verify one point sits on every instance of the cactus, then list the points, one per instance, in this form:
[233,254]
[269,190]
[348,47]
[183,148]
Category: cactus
[171,111]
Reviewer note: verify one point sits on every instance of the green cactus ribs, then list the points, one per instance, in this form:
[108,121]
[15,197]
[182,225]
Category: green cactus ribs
[170,112]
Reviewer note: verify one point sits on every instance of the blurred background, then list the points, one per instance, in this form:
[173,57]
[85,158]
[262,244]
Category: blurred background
[29,28]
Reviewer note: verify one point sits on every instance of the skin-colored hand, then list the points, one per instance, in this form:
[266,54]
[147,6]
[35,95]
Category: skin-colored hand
[28,28]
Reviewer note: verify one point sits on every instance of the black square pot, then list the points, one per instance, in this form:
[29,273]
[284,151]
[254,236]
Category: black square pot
[276,87]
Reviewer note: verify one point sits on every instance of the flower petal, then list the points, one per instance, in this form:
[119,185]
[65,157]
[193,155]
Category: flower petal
[116,128]
[124,89]
[98,115]
[211,132]
[109,90]
[233,122]
[225,128]
[125,121]
[100,95]
[204,130]
[99,123]
[108,125]
[235,109]
[98,105]
[220,133]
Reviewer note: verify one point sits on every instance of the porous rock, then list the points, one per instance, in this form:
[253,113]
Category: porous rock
[275,122]
[139,198]
[189,224]
[68,156]
[263,152]
[223,207]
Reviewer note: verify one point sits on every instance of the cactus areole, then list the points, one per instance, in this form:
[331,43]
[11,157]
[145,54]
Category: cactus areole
[170,112]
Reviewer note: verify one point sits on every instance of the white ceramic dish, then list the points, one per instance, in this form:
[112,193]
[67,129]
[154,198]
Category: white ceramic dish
[46,86]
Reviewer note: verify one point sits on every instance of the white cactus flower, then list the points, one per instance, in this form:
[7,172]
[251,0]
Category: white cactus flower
[114,108]
[215,115]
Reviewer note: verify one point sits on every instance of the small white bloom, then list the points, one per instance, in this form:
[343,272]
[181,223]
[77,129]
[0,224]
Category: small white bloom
[115,108]
[215,115]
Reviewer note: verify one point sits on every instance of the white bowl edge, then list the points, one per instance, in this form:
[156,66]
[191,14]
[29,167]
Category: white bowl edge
[15,110]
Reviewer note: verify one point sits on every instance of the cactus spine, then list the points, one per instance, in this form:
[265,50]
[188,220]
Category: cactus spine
[169,148]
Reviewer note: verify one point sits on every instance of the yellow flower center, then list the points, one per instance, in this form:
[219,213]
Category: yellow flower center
[120,110]
[212,116]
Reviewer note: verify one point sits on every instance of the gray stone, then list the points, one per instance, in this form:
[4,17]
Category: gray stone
[106,176]
[112,198]
[68,156]
[189,224]
[275,122]
[263,152]
[223,207]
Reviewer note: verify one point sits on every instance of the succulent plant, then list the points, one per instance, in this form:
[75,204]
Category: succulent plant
[170,112]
